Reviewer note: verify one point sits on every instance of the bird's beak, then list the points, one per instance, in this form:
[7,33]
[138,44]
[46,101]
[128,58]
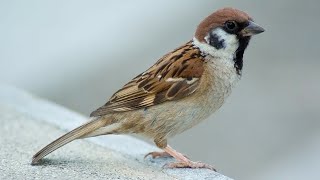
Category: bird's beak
[251,29]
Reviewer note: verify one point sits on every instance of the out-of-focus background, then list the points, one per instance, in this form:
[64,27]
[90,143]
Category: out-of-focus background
[77,53]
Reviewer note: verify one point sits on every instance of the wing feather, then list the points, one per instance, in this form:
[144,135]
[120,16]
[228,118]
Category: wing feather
[173,77]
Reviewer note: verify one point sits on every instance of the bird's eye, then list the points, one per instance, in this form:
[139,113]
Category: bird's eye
[231,26]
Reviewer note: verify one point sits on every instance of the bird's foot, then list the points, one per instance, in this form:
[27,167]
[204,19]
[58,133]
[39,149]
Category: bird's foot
[163,154]
[189,164]
[183,161]
[156,154]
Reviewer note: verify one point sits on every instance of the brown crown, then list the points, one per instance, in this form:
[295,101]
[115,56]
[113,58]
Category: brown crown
[218,18]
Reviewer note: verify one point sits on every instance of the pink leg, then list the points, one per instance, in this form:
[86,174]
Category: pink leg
[183,161]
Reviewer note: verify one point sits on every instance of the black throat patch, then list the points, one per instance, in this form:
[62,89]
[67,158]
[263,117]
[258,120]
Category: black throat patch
[238,58]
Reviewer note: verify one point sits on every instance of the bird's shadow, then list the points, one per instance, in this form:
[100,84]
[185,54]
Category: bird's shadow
[61,162]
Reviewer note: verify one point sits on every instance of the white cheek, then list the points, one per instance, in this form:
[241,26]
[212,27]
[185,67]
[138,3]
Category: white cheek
[230,41]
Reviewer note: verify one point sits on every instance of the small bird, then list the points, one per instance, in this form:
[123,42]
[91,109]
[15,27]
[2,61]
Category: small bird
[179,91]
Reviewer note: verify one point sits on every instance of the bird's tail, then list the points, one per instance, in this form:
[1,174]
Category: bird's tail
[77,133]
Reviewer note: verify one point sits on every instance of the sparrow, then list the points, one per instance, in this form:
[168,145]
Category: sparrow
[180,90]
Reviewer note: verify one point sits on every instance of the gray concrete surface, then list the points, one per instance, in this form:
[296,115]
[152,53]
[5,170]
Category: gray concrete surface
[28,123]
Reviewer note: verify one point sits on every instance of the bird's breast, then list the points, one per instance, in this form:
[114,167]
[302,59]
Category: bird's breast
[219,78]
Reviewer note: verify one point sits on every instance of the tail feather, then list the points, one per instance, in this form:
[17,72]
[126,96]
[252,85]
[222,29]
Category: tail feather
[77,133]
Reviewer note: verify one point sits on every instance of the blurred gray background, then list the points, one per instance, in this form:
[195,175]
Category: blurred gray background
[77,53]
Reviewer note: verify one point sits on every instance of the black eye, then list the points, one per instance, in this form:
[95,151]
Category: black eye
[231,26]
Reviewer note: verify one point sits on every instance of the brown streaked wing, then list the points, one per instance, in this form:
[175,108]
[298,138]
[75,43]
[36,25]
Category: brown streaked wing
[173,77]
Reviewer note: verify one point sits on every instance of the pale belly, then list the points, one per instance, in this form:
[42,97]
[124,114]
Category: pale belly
[175,117]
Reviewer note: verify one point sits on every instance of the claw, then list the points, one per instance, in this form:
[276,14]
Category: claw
[164,154]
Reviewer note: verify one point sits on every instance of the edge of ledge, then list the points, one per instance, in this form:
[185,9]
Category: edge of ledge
[66,119]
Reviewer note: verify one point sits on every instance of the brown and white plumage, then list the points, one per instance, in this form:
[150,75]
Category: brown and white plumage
[173,77]
[180,90]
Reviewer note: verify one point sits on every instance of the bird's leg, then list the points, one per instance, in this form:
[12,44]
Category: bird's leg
[184,162]
[161,143]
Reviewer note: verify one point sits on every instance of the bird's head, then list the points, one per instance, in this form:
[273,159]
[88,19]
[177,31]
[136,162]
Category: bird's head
[226,34]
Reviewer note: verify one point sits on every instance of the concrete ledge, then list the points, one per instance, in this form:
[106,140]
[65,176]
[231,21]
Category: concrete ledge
[29,123]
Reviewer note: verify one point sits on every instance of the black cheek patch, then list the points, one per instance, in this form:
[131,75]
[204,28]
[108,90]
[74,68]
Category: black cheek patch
[216,42]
